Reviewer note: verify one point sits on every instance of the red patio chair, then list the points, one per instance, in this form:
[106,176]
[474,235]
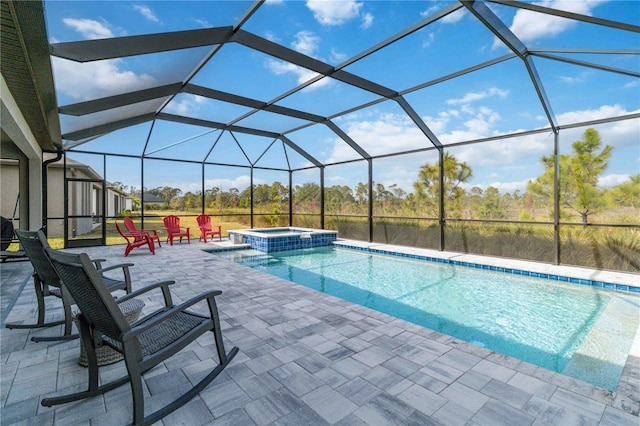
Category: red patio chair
[172,225]
[151,233]
[204,223]
[135,240]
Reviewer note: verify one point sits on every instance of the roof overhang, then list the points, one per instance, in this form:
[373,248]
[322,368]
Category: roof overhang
[25,65]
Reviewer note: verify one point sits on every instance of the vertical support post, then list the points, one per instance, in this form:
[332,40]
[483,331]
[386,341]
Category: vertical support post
[370,207]
[65,201]
[251,197]
[105,210]
[142,192]
[203,197]
[322,197]
[556,197]
[441,210]
[290,198]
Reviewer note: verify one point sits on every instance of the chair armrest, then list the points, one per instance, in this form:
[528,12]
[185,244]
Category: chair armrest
[163,285]
[98,262]
[155,320]
[125,272]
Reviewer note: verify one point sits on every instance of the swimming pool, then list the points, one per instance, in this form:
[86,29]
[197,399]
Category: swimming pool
[581,331]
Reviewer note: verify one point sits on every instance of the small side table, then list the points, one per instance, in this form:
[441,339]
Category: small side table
[105,354]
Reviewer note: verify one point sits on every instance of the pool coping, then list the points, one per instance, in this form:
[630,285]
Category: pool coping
[628,283]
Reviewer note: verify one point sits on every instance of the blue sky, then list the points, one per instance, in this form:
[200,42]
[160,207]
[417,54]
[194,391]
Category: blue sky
[486,103]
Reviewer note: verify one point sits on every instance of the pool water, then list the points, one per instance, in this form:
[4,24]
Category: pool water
[543,322]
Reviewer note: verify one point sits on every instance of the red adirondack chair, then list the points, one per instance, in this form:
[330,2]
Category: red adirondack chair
[204,223]
[135,240]
[151,233]
[172,225]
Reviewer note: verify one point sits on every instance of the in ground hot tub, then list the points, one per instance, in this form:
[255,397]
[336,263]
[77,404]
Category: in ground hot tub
[281,239]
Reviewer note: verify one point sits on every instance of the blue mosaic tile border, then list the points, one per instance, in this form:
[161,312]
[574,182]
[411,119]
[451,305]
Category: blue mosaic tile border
[288,242]
[580,281]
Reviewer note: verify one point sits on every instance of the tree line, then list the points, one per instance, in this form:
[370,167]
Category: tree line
[579,196]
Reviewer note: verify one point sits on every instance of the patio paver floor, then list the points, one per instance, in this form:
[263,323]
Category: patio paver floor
[305,358]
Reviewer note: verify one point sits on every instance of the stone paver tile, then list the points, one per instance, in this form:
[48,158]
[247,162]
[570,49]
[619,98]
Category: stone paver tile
[224,398]
[442,372]
[302,383]
[338,354]
[506,393]
[532,385]
[417,418]
[349,330]
[615,417]
[24,410]
[384,410]
[372,356]
[329,404]
[414,354]
[434,347]
[494,370]
[351,420]
[453,414]
[401,366]
[331,377]
[237,417]
[313,362]
[355,344]
[462,361]
[546,412]
[301,416]
[260,385]
[291,353]
[359,391]
[464,396]
[399,387]
[350,367]
[496,413]
[160,383]
[272,407]
[474,379]
[422,399]
[427,381]
[382,377]
[579,403]
[194,413]
[286,370]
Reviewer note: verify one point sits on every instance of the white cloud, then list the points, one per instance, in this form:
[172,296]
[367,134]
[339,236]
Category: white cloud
[146,12]
[88,28]
[239,182]
[302,74]
[609,181]
[578,79]
[367,20]
[202,22]
[334,12]
[306,42]
[454,17]
[476,96]
[337,57]
[605,111]
[428,40]
[186,105]
[530,26]
[97,79]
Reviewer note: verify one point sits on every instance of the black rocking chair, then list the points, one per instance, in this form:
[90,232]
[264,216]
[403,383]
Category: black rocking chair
[47,283]
[144,343]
